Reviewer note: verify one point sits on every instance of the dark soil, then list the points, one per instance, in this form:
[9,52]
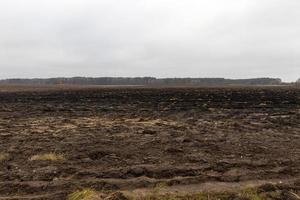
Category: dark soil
[128,138]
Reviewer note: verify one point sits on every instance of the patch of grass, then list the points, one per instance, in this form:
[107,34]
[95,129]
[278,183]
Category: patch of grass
[250,194]
[247,194]
[196,196]
[3,156]
[48,157]
[85,194]
[159,187]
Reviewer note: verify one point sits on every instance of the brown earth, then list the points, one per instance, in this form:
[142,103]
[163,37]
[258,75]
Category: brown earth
[131,138]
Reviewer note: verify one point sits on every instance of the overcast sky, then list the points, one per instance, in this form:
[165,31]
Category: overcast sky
[161,38]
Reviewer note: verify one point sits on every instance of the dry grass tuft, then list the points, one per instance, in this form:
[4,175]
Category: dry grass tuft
[246,194]
[48,157]
[3,156]
[85,194]
[251,194]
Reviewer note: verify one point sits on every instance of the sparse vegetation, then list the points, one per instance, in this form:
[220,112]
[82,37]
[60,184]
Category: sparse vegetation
[85,194]
[246,194]
[3,156]
[48,157]
[250,194]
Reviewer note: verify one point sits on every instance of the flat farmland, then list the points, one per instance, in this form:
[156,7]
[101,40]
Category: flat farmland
[54,142]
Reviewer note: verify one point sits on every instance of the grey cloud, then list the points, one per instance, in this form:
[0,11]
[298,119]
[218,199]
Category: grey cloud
[162,38]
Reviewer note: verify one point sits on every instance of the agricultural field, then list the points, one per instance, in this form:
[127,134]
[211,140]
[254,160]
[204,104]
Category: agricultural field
[56,141]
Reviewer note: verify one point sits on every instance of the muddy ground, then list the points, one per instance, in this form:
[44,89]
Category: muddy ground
[129,138]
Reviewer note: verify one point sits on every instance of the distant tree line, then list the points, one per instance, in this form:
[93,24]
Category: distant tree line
[144,81]
[298,83]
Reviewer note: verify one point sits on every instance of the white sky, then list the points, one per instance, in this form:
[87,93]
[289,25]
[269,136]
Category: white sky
[161,38]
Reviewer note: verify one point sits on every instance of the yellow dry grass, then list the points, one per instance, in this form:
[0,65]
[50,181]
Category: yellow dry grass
[88,194]
[85,194]
[3,156]
[48,157]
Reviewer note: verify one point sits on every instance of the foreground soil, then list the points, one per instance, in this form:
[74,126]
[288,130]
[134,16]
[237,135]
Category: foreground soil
[130,139]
